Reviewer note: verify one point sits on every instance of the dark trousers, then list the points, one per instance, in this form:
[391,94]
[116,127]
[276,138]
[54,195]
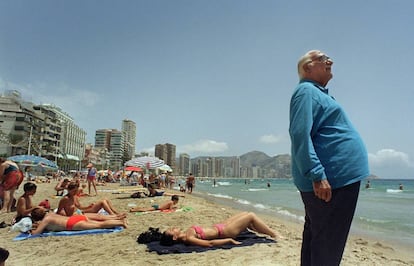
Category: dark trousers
[327,225]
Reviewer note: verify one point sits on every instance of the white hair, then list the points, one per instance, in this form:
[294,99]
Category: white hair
[305,59]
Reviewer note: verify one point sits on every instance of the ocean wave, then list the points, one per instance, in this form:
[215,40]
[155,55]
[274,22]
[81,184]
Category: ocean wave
[220,196]
[224,183]
[389,190]
[291,215]
[374,221]
[242,201]
[261,206]
[257,189]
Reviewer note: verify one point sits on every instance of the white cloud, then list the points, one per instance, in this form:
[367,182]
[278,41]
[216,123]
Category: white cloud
[389,157]
[204,147]
[149,150]
[271,139]
[389,163]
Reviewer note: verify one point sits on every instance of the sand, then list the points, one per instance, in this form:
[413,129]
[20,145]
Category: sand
[122,249]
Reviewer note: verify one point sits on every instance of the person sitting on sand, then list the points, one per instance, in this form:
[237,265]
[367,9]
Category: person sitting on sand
[169,205]
[56,222]
[61,187]
[24,203]
[70,204]
[217,235]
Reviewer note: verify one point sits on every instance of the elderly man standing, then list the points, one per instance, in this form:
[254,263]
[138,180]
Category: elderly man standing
[329,160]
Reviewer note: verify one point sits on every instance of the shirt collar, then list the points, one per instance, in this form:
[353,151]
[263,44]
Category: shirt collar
[323,89]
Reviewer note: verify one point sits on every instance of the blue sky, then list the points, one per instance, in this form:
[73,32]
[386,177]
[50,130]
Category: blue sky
[214,77]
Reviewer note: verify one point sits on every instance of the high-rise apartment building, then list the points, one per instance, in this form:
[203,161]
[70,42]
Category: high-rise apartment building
[103,138]
[117,149]
[184,164]
[129,129]
[219,167]
[235,165]
[111,140]
[166,152]
[71,142]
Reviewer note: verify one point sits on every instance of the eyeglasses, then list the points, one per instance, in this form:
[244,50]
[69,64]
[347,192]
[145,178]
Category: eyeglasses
[322,58]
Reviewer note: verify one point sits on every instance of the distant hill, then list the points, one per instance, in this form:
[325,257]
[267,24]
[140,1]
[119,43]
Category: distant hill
[277,166]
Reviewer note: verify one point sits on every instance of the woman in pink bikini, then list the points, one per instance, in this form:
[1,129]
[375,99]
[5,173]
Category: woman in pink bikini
[219,234]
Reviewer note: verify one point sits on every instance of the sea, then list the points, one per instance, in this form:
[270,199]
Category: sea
[384,211]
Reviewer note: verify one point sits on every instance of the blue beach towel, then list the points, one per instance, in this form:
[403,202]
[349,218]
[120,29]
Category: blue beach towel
[246,238]
[24,236]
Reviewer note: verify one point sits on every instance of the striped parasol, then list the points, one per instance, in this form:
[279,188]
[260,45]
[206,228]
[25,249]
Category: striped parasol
[147,162]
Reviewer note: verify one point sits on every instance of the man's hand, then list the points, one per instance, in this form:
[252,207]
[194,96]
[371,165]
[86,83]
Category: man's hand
[322,190]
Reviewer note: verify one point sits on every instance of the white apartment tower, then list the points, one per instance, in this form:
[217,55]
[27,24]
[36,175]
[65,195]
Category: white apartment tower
[129,129]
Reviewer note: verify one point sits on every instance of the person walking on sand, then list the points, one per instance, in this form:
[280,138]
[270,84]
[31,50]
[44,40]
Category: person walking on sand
[329,160]
[168,205]
[10,179]
[190,183]
[91,178]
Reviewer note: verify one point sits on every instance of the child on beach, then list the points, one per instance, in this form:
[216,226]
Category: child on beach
[169,205]
[24,203]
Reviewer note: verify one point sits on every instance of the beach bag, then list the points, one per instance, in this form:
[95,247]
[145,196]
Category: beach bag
[24,225]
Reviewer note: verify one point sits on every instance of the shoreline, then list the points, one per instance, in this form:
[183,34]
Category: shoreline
[122,249]
[356,235]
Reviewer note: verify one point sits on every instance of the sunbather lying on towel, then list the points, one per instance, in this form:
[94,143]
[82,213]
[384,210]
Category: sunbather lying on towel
[217,235]
[55,222]
[168,205]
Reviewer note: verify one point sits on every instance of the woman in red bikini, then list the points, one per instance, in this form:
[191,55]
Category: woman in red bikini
[70,204]
[56,222]
[219,234]
[10,179]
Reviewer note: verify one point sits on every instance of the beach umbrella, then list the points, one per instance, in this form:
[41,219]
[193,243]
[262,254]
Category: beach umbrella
[165,168]
[34,161]
[147,162]
[133,168]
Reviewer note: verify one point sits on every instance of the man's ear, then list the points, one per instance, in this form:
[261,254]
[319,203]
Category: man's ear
[306,68]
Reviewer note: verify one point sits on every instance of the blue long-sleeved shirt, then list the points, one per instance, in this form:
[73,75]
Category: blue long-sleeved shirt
[325,145]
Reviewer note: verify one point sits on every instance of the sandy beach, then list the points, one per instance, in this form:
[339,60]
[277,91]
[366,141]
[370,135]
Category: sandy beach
[122,249]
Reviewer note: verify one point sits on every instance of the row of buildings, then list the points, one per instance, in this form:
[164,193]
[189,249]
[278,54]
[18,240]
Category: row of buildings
[46,130]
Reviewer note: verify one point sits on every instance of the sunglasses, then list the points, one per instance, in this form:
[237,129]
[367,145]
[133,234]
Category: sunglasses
[322,58]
